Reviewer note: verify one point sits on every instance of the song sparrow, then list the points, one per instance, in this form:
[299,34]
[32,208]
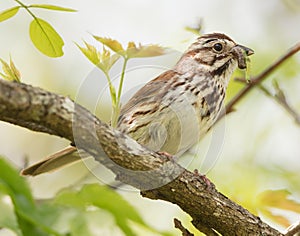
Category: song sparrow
[171,112]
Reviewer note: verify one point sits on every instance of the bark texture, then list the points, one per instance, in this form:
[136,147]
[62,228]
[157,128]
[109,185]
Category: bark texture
[156,175]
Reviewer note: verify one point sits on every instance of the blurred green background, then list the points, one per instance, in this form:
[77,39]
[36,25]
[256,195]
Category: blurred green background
[258,152]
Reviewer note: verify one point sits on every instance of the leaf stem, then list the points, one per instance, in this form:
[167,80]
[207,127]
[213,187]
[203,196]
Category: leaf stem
[26,8]
[122,78]
[114,101]
[117,107]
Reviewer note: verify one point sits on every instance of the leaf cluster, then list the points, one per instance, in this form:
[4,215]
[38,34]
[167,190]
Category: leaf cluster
[69,213]
[112,51]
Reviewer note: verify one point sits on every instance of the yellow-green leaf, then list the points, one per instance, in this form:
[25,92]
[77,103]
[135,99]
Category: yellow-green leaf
[52,7]
[108,60]
[112,44]
[45,38]
[6,14]
[90,52]
[144,51]
[15,71]
[11,73]
[5,67]
[103,60]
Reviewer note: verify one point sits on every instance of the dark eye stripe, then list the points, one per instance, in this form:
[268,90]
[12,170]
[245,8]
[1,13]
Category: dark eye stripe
[209,40]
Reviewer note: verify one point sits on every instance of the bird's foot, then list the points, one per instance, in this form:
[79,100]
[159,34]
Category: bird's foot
[208,183]
[167,155]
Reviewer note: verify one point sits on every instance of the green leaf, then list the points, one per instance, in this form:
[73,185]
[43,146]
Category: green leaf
[8,218]
[51,7]
[31,220]
[79,226]
[103,198]
[45,38]
[112,44]
[6,14]
[17,185]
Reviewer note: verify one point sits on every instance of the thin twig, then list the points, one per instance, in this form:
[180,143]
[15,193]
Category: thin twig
[280,98]
[178,225]
[259,78]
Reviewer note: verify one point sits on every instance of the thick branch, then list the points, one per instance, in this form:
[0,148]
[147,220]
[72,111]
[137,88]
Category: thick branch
[154,174]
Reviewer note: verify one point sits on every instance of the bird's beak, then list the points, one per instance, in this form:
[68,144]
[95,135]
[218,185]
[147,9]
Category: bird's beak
[241,53]
[248,51]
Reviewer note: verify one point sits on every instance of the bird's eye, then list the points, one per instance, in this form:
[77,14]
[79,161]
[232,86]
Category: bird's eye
[218,47]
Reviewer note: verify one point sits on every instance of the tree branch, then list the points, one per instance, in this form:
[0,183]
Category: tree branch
[280,98]
[183,230]
[155,174]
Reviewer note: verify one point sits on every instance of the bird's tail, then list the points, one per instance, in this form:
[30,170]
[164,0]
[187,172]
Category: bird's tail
[53,162]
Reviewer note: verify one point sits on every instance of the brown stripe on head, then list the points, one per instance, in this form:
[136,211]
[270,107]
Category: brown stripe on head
[215,36]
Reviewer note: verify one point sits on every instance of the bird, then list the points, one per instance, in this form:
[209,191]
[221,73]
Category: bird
[172,112]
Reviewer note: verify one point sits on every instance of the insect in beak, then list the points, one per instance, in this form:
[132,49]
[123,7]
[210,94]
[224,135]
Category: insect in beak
[241,53]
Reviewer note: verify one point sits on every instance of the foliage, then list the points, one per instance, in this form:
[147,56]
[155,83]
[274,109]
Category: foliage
[105,60]
[11,73]
[68,213]
[247,186]
[42,34]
